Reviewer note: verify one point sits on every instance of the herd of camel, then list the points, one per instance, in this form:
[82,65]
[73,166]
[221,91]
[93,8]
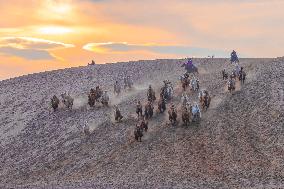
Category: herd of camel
[189,112]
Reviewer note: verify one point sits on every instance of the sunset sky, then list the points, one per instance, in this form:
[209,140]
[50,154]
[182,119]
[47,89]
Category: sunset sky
[40,35]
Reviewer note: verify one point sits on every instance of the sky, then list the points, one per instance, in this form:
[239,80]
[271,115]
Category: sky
[42,35]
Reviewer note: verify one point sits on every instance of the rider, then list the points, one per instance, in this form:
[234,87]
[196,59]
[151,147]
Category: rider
[197,83]
[225,76]
[139,108]
[195,109]
[105,97]
[151,94]
[98,91]
[234,56]
[205,93]
[118,115]
[206,96]
[194,79]
[184,99]
[231,81]
[173,108]
[186,75]
[86,128]
[241,71]
[144,124]
[148,112]
[54,98]
[54,102]
[125,79]
[92,91]
[163,89]
[189,62]
[234,53]
[237,69]
[117,88]
[129,82]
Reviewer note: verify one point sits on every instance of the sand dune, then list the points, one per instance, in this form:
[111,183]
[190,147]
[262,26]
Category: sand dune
[238,144]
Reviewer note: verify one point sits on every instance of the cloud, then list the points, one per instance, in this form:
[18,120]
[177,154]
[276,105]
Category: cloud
[30,48]
[30,54]
[124,47]
[33,43]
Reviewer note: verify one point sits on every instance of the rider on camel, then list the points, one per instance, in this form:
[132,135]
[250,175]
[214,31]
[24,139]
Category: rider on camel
[105,98]
[151,94]
[173,109]
[99,91]
[139,108]
[231,81]
[118,115]
[117,88]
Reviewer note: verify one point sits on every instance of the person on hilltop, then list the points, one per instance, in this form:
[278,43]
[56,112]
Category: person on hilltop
[92,63]
[189,67]
[234,57]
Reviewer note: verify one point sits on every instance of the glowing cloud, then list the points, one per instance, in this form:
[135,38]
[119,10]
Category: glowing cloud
[53,30]
[30,48]
[32,43]
[123,47]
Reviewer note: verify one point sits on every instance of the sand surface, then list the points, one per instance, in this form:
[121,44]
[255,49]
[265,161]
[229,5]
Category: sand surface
[239,142]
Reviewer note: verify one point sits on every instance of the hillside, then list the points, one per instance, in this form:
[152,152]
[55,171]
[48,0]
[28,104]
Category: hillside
[238,144]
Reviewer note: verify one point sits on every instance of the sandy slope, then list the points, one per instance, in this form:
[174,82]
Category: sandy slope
[239,142]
